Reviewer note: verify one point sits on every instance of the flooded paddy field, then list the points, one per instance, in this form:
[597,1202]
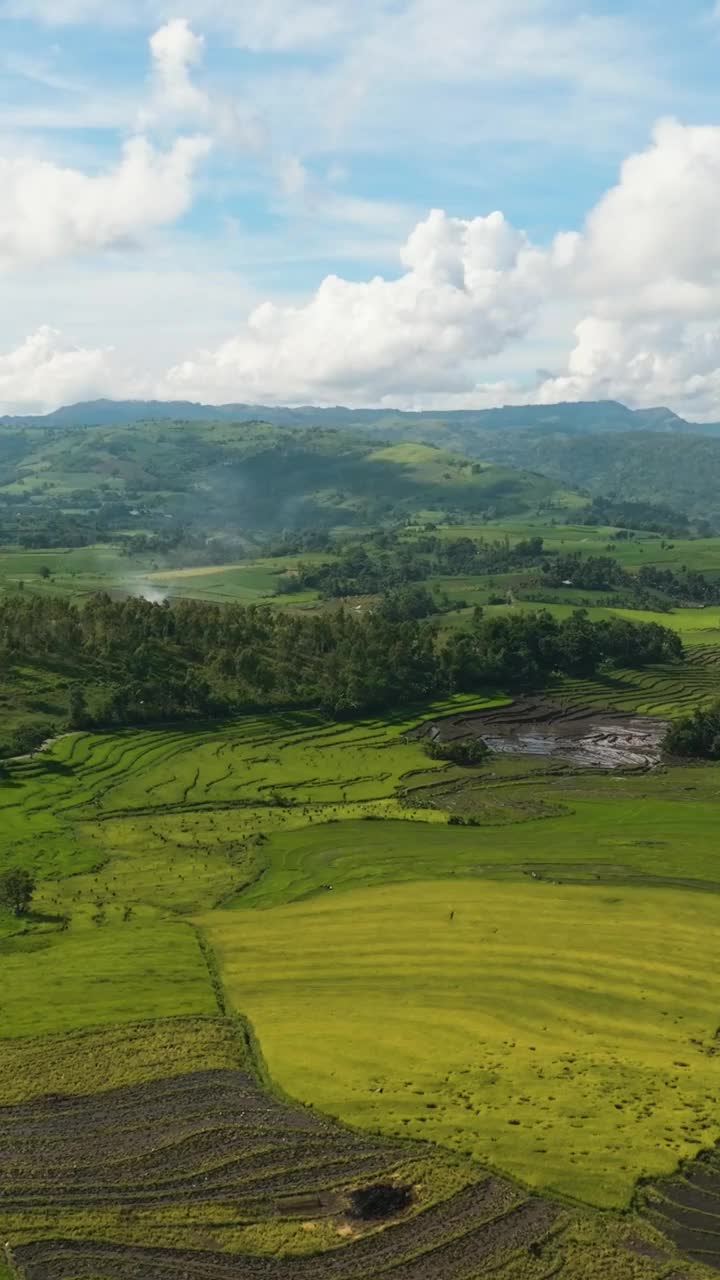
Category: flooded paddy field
[581,735]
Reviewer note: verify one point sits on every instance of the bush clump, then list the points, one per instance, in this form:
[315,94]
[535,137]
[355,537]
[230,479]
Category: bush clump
[464,751]
[696,735]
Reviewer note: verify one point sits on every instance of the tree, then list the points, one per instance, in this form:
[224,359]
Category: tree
[696,735]
[77,707]
[16,890]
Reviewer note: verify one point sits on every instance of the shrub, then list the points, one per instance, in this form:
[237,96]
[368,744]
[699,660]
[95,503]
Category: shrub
[696,735]
[464,751]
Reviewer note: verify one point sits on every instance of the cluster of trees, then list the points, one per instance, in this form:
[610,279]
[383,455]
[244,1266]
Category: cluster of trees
[176,544]
[522,650]
[652,517]
[647,586]
[131,661]
[385,562]
[17,887]
[696,735]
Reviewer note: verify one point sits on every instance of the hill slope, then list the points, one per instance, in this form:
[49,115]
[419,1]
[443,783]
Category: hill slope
[251,476]
[680,471]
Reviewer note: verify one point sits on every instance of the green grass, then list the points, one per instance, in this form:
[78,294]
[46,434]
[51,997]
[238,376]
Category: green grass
[75,572]
[89,975]
[533,1031]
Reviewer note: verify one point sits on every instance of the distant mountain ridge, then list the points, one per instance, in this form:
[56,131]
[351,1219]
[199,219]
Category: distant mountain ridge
[581,417]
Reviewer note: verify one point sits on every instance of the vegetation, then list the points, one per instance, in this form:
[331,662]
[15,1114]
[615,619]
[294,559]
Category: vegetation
[81,486]
[464,751]
[136,835]
[514,1034]
[270,860]
[17,886]
[150,663]
[696,735]
[672,470]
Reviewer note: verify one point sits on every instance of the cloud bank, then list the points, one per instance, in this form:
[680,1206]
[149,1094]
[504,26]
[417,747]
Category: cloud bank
[638,285]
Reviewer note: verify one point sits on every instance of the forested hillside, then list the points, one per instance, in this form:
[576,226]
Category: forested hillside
[682,471]
[246,476]
[599,415]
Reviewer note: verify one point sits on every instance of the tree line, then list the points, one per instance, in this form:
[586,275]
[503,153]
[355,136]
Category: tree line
[133,662]
[386,561]
[649,586]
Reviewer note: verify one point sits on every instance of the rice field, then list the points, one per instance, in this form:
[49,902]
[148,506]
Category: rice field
[303,874]
[529,1026]
[668,691]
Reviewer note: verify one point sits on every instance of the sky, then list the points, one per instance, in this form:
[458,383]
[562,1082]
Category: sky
[411,203]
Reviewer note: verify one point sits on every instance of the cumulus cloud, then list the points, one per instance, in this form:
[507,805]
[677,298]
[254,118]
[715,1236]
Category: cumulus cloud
[47,210]
[468,288]
[175,49]
[651,243]
[639,282]
[643,276]
[647,269]
[46,371]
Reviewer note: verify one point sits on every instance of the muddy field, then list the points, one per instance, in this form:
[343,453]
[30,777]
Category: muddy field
[582,735]
[216,1136]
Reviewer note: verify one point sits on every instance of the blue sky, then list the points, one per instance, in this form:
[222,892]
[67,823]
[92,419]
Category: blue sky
[183,179]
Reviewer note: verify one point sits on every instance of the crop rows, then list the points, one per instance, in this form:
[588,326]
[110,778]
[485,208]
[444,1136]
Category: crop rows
[686,1208]
[668,690]
[216,1136]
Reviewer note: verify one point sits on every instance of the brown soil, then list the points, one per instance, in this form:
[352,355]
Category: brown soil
[582,735]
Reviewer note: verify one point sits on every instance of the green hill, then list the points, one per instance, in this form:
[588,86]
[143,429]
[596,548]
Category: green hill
[677,470]
[249,476]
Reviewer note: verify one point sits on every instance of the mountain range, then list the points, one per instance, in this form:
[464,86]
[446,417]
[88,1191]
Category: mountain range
[581,417]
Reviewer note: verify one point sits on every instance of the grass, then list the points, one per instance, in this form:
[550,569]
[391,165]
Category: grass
[531,1031]
[107,973]
[657,830]
[82,572]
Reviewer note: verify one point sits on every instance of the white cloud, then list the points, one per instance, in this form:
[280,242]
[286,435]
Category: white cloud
[175,49]
[647,268]
[48,211]
[652,242]
[469,287]
[46,371]
[643,274]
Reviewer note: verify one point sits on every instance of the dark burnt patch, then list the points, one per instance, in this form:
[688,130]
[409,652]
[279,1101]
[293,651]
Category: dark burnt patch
[382,1200]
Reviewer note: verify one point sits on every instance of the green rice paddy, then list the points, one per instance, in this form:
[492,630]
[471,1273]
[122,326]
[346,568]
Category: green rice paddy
[530,1026]
[523,991]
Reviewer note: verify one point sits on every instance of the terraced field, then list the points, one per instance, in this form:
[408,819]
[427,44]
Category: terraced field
[658,691]
[206,1174]
[305,874]
[686,1207]
[532,1025]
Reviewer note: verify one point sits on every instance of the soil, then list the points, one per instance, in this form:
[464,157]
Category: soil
[686,1208]
[216,1136]
[540,727]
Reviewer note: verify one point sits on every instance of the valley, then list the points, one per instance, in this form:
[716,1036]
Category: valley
[299,942]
